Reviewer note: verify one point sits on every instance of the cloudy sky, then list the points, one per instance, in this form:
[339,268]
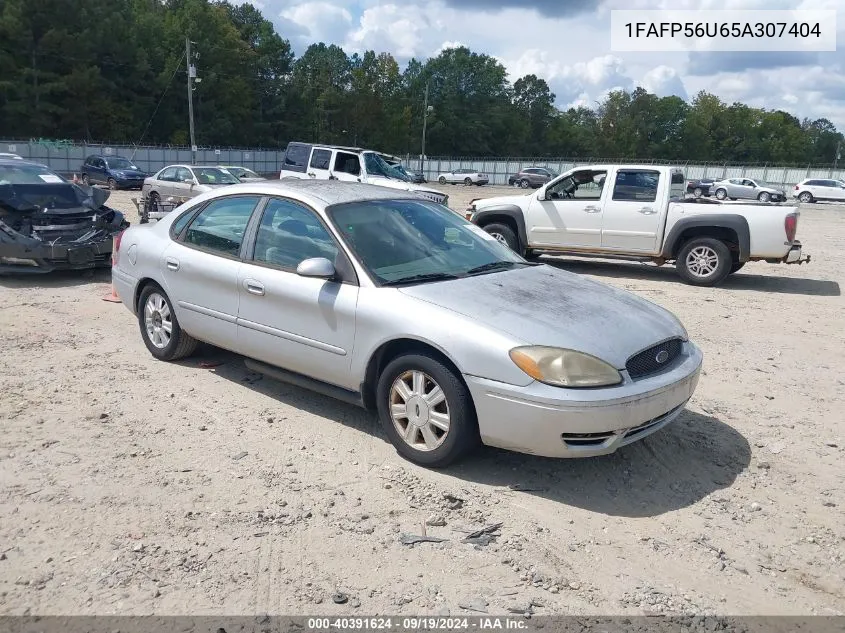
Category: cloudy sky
[567,42]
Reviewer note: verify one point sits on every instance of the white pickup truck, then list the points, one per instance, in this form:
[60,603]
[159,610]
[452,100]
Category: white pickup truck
[641,214]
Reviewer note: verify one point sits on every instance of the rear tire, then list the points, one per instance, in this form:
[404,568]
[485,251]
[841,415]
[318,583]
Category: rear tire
[805,196]
[704,261]
[524,183]
[112,184]
[468,181]
[697,193]
[504,234]
[442,180]
[430,396]
[155,317]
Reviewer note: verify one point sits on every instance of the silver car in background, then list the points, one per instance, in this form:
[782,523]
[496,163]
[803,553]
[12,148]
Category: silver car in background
[746,189]
[465,176]
[176,183]
[390,301]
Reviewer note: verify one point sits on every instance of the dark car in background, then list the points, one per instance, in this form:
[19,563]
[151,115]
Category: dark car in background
[531,177]
[700,187]
[48,223]
[115,171]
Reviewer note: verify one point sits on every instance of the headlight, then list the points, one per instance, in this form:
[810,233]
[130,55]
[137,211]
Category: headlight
[564,367]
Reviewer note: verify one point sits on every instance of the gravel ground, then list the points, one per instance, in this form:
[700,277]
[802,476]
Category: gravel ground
[131,486]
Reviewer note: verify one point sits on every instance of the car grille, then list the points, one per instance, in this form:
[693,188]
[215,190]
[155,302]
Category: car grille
[439,198]
[654,359]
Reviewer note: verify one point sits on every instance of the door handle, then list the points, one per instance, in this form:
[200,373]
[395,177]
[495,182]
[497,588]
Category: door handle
[254,287]
[647,211]
[590,208]
[172,264]
[312,174]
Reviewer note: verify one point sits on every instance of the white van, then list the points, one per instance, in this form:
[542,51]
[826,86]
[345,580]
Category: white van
[350,164]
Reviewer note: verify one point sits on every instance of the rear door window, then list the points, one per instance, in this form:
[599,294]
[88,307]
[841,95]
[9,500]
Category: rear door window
[321,158]
[220,227]
[296,157]
[634,185]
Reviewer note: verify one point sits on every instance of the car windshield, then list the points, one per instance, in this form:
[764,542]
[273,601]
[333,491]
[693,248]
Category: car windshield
[413,241]
[214,176]
[377,166]
[11,174]
[121,163]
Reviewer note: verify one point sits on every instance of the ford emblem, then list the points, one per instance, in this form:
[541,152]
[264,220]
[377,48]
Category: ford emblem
[662,356]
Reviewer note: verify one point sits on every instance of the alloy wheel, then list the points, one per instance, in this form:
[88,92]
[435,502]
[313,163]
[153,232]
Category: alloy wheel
[419,410]
[158,320]
[702,261]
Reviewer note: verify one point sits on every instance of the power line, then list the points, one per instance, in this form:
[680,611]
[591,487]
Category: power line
[166,88]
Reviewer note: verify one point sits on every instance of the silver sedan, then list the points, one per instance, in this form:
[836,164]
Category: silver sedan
[392,302]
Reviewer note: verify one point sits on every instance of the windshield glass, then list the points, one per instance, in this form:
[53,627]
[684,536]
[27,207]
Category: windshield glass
[399,239]
[27,175]
[214,176]
[377,166]
[121,163]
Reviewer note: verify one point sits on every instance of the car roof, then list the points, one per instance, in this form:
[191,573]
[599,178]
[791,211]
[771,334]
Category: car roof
[18,162]
[327,192]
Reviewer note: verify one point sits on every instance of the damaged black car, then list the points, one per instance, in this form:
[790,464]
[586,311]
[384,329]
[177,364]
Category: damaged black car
[48,223]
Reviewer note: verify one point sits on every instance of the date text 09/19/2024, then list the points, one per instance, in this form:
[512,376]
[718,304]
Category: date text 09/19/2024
[417,624]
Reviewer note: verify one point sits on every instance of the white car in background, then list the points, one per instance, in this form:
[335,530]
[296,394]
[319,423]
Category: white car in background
[824,189]
[466,176]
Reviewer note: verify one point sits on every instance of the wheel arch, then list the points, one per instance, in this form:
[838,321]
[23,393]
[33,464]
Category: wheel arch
[391,349]
[730,228]
[511,215]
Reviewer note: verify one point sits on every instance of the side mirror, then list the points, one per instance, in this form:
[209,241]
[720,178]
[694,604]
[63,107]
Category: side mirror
[541,195]
[319,267]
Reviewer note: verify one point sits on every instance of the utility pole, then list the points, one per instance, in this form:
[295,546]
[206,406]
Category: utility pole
[838,154]
[192,72]
[425,121]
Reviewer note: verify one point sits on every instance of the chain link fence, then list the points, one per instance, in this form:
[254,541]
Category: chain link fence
[66,157]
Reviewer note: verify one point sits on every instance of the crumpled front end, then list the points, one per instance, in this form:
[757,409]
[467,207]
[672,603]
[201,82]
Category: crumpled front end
[61,226]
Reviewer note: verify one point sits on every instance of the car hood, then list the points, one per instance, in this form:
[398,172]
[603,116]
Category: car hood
[381,181]
[518,200]
[129,173]
[543,305]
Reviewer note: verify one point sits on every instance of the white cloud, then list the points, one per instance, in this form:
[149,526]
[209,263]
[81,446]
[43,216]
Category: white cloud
[401,30]
[320,21]
[664,81]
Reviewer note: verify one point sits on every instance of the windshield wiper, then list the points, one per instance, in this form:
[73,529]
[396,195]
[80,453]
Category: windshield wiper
[485,268]
[421,277]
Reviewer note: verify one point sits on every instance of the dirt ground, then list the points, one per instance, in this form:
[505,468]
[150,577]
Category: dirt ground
[132,486]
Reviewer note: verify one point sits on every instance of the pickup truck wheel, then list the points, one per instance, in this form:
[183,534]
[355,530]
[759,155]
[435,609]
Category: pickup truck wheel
[721,194]
[735,266]
[704,261]
[426,410]
[805,196]
[503,234]
[159,327]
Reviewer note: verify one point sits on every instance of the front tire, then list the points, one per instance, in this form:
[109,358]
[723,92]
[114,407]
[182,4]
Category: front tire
[159,327]
[524,183]
[504,234]
[426,410]
[704,261]
[468,181]
[697,193]
[85,180]
[112,184]
[442,180]
[764,197]
[721,194]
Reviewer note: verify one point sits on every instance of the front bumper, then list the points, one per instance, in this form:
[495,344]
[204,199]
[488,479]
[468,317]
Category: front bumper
[554,422]
[44,257]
